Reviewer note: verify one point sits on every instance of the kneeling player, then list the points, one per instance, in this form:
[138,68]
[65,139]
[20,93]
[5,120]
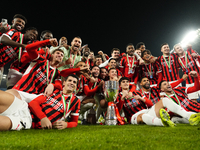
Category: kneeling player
[54,110]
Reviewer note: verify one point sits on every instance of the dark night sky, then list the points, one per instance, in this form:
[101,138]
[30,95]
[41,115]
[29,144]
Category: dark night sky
[107,24]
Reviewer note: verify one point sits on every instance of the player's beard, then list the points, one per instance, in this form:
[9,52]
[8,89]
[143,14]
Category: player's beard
[131,53]
[86,54]
[146,86]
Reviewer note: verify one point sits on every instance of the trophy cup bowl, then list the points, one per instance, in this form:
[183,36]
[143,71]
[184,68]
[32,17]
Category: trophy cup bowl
[111,92]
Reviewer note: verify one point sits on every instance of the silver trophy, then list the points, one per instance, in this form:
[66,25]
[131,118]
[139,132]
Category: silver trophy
[111,92]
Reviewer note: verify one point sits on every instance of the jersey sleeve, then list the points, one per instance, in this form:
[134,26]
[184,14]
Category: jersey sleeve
[74,115]
[33,47]
[35,107]
[13,34]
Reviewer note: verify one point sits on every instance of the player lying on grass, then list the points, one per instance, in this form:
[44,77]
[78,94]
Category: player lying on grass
[139,114]
[55,110]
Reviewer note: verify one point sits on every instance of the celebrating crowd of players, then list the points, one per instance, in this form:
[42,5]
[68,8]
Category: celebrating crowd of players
[53,84]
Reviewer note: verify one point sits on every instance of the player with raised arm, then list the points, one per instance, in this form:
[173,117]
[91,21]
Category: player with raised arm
[42,76]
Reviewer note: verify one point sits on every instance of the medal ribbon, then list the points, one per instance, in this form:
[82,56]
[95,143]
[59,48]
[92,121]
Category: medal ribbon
[149,70]
[175,97]
[20,48]
[129,62]
[87,62]
[168,64]
[64,104]
[72,64]
[47,73]
[145,95]
[94,85]
[186,63]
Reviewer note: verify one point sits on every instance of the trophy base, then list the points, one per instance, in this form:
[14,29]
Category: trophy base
[111,122]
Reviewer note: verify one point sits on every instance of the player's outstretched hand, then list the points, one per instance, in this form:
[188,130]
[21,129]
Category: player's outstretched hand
[53,42]
[84,69]
[184,77]
[46,123]
[193,74]
[60,125]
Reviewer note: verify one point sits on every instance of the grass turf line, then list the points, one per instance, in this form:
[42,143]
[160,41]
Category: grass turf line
[104,137]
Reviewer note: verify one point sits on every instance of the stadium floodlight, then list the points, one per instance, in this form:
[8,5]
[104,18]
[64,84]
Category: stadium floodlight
[189,38]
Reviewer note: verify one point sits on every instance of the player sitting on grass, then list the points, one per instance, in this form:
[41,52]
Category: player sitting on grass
[53,111]
[151,116]
[179,95]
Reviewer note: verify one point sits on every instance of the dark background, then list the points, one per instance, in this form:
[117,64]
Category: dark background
[104,25]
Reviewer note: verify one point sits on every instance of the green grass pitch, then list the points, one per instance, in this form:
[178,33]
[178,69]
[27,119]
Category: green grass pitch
[141,137]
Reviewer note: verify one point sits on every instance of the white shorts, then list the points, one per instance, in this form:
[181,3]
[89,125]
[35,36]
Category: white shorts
[13,77]
[194,95]
[150,111]
[27,97]
[19,115]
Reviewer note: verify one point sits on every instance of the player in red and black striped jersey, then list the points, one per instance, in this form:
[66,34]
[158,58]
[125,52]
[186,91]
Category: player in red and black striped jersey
[169,64]
[18,23]
[55,110]
[129,65]
[188,63]
[85,57]
[98,96]
[9,46]
[137,113]
[83,92]
[179,95]
[153,93]
[43,73]
[42,76]
[19,66]
[10,40]
[131,105]
[94,71]
[112,64]
[150,70]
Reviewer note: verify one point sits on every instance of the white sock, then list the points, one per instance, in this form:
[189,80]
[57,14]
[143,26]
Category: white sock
[150,120]
[179,120]
[173,107]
